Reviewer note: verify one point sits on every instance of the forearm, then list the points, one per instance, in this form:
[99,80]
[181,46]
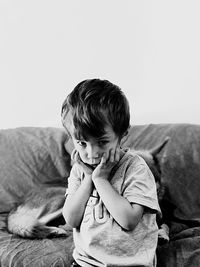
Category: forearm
[125,214]
[74,206]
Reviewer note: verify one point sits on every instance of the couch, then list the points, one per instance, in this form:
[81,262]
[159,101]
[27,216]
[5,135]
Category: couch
[34,157]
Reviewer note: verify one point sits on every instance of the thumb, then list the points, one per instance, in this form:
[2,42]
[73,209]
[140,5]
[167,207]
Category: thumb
[103,159]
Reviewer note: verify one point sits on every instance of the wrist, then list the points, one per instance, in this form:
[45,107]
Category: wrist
[97,179]
[87,183]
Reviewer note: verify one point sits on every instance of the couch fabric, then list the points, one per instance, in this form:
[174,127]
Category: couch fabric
[35,156]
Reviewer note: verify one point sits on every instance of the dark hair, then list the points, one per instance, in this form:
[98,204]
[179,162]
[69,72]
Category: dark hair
[94,103]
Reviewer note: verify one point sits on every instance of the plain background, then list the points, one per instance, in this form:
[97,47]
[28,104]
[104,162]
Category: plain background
[151,49]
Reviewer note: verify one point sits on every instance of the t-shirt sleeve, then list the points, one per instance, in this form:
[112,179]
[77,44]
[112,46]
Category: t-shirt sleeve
[140,187]
[74,180]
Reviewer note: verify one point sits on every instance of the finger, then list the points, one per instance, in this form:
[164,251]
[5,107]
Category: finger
[73,154]
[117,154]
[77,157]
[103,159]
[112,155]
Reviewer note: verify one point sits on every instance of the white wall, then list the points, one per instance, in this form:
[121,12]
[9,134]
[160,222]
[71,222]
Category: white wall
[151,49]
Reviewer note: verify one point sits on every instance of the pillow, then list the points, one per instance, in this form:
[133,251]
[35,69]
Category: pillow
[31,156]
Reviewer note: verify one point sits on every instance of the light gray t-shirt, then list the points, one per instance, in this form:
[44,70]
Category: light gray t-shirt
[100,240]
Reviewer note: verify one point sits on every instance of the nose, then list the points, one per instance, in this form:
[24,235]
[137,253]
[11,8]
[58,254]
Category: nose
[92,151]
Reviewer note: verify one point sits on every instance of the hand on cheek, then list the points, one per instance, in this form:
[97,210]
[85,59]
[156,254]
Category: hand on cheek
[106,164]
[86,168]
[114,155]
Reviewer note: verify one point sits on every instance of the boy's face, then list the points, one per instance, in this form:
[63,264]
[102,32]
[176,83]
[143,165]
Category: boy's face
[91,151]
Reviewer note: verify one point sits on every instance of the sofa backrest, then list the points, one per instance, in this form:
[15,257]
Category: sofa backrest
[34,156]
[31,156]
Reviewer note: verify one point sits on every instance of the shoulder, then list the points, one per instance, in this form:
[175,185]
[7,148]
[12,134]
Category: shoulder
[138,182]
[137,169]
[131,168]
[130,159]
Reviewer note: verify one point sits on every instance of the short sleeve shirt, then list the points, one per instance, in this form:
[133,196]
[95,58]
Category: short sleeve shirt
[100,240]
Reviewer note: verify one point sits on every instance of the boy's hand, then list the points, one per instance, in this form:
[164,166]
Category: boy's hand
[86,168]
[106,164]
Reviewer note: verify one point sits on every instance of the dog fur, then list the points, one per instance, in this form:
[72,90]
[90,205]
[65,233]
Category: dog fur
[30,218]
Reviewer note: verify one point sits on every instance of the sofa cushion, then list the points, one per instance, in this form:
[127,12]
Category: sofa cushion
[19,252]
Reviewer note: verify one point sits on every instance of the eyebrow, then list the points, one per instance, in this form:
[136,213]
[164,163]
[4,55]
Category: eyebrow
[104,137]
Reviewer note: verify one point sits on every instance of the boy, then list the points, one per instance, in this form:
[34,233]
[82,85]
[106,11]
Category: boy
[111,198]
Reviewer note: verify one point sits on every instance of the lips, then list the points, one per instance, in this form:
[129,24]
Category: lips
[93,166]
[92,162]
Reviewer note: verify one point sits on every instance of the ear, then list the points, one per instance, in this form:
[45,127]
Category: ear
[155,150]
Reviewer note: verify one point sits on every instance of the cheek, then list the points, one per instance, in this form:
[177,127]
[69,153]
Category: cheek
[112,145]
[76,146]
[80,151]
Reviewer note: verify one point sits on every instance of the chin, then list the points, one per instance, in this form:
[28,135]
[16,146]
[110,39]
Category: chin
[93,166]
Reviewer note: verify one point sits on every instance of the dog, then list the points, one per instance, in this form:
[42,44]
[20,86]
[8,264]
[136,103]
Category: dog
[39,213]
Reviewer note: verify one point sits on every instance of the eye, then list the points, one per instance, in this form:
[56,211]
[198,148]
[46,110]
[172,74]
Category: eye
[81,143]
[103,142]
